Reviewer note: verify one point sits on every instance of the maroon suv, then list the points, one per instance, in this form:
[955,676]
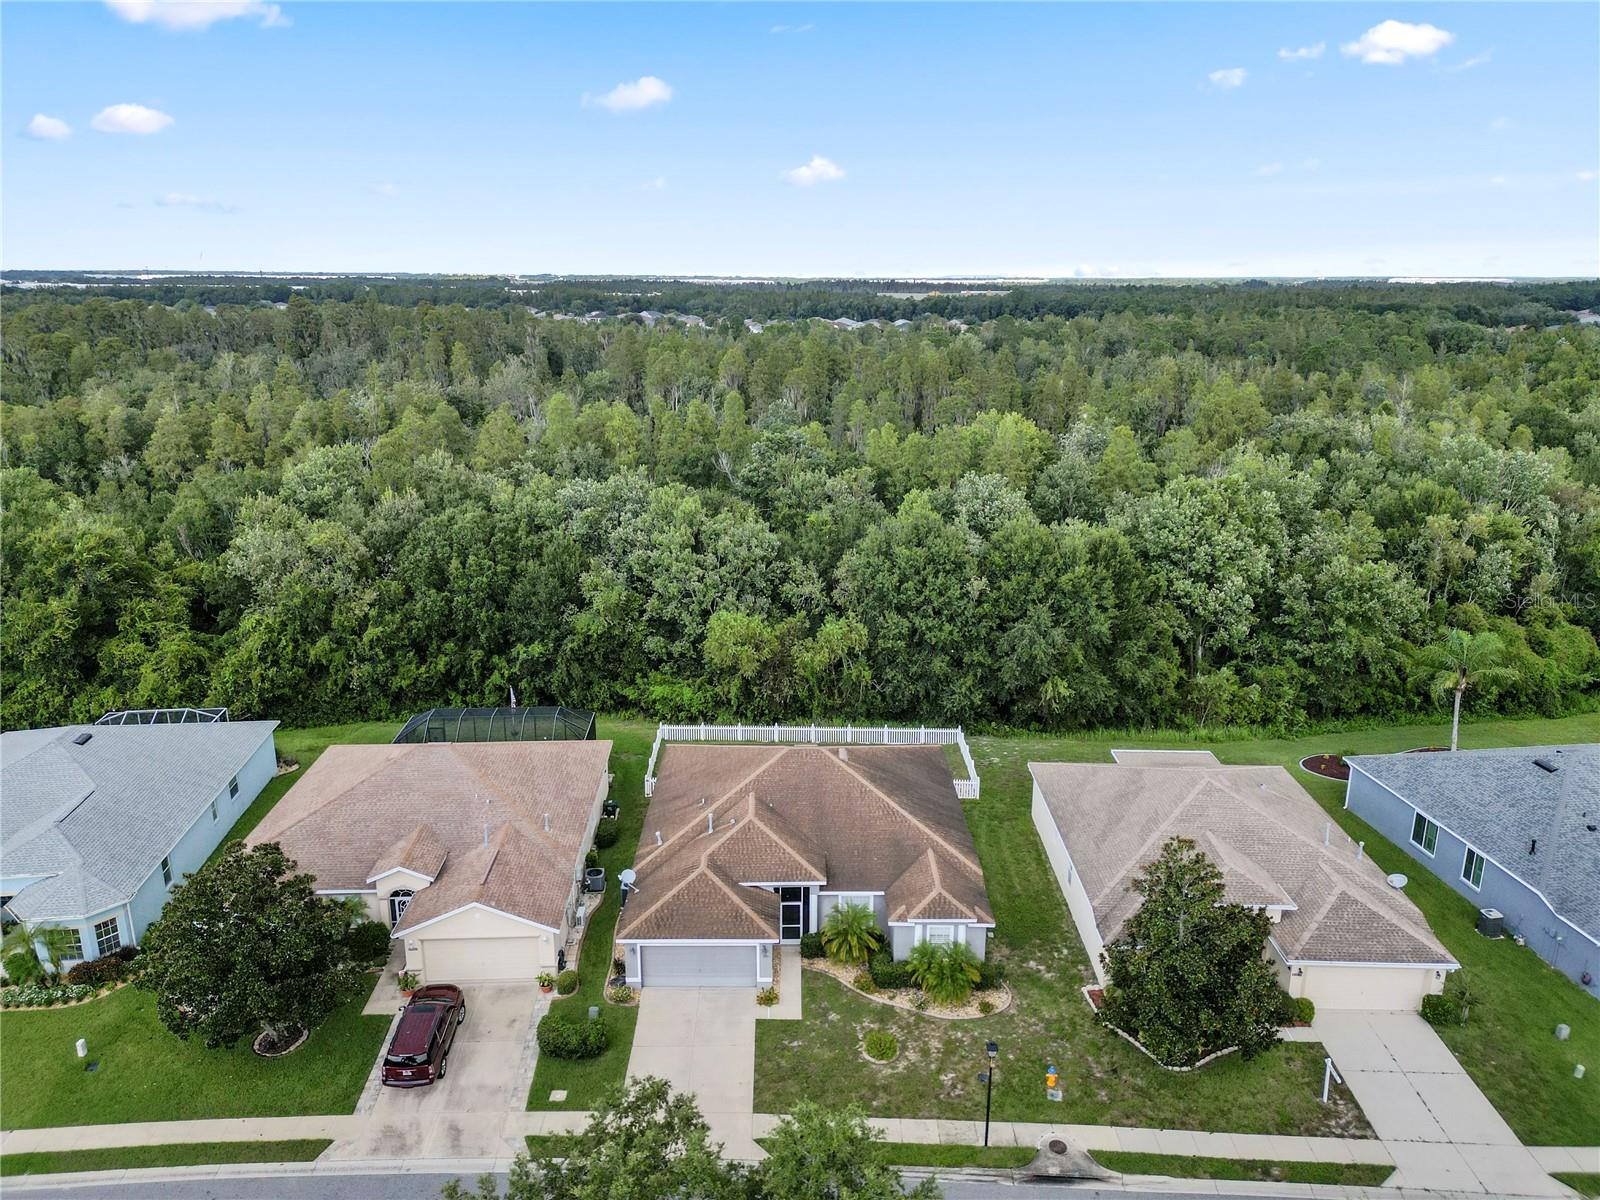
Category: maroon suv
[420,1048]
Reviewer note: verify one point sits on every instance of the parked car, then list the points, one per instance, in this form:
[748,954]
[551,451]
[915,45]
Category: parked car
[419,1052]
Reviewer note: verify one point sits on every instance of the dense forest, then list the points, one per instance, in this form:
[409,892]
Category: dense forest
[1055,507]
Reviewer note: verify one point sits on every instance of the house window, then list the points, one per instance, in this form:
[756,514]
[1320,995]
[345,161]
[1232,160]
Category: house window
[940,935]
[399,900]
[107,937]
[233,787]
[213,808]
[1472,868]
[71,943]
[166,871]
[1424,833]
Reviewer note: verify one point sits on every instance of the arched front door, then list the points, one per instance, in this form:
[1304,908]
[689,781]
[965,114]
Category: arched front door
[398,900]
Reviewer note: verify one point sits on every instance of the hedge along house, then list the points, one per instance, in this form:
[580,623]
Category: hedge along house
[748,847]
[1340,934]
[471,853]
[1513,830]
[100,822]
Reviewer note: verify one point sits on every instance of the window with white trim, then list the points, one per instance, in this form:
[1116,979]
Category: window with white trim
[166,871]
[213,808]
[940,935]
[108,937]
[1424,833]
[233,787]
[1472,868]
[71,943]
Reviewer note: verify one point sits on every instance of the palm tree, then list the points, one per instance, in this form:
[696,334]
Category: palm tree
[43,946]
[1462,661]
[946,972]
[850,933]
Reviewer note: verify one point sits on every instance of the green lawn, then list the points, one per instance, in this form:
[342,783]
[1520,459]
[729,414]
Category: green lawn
[182,1154]
[147,1074]
[1107,1082]
[586,1080]
[919,1154]
[1584,1183]
[1181,1166]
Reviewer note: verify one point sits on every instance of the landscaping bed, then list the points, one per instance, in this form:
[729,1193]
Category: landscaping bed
[179,1154]
[1329,766]
[1181,1166]
[912,999]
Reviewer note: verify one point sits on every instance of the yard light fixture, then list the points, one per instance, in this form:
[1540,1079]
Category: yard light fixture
[992,1049]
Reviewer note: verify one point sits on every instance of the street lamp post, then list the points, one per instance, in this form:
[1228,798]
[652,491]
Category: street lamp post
[992,1049]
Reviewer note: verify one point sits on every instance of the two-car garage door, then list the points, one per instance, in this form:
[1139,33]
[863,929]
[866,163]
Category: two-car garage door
[698,966]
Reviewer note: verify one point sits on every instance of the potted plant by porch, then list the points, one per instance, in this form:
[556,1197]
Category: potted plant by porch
[408,982]
[547,982]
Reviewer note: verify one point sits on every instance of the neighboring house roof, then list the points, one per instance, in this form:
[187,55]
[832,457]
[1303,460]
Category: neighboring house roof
[93,821]
[868,819]
[1501,803]
[470,815]
[1264,833]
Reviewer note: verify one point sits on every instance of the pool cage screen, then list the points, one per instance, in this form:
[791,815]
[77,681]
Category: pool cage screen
[498,725]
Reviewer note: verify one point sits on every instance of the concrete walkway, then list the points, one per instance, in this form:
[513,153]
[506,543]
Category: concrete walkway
[703,1041]
[788,1007]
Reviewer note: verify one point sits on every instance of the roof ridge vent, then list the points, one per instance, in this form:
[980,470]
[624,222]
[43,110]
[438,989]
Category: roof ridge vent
[1544,764]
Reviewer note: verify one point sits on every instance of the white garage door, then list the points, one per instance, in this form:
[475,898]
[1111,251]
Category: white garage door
[699,966]
[480,960]
[1376,989]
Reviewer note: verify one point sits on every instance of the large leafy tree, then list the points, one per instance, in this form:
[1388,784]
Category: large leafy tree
[818,1154]
[1462,661]
[1187,975]
[645,1142]
[245,946]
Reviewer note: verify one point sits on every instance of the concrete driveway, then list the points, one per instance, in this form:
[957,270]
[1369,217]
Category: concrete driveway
[463,1115]
[1443,1132]
[703,1040]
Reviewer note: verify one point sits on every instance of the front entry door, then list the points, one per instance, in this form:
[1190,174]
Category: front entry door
[794,913]
[398,900]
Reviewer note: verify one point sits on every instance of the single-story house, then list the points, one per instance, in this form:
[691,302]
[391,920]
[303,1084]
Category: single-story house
[1515,830]
[99,822]
[472,852]
[747,847]
[1341,935]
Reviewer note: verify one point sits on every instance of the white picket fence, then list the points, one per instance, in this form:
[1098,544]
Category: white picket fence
[820,735]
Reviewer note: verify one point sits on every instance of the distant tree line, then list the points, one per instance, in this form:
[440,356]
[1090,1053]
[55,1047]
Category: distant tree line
[1174,506]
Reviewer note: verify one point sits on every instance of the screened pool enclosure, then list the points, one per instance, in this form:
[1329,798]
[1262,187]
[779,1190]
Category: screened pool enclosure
[498,725]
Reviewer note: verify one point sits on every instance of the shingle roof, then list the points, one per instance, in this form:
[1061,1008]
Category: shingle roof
[97,819]
[1264,832]
[869,819]
[340,821]
[1501,803]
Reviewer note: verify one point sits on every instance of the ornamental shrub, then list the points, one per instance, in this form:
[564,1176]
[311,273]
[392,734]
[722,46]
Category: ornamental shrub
[887,973]
[990,975]
[1305,1010]
[97,972]
[369,941]
[36,995]
[945,973]
[882,1045]
[607,832]
[1440,1010]
[863,983]
[767,997]
[811,945]
[561,1036]
[850,933]
[22,968]
[567,983]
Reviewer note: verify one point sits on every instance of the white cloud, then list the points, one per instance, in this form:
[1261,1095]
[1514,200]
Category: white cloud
[1289,55]
[1587,176]
[1390,43]
[196,14]
[1499,124]
[130,118]
[48,129]
[818,170]
[658,184]
[387,189]
[1311,164]
[1274,168]
[791,28]
[1228,78]
[185,200]
[643,92]
[1477,60]
[1497,180]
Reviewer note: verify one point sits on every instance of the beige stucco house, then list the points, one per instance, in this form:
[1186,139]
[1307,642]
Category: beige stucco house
[471,852]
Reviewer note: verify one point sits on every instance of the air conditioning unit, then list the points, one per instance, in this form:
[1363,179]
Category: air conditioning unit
[1491,922]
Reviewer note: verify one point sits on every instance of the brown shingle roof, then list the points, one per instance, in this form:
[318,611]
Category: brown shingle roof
[874,819]
[339,821]
[1262,830]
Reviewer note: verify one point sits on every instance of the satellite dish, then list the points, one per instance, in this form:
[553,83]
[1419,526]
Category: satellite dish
[626,876]
[1398,880]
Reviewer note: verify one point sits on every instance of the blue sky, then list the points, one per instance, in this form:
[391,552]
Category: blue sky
[1126,139]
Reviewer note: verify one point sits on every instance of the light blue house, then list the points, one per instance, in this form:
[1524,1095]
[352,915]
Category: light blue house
[1515,830]
[99,822]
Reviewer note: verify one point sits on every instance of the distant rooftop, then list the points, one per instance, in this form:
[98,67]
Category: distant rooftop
[1541,825]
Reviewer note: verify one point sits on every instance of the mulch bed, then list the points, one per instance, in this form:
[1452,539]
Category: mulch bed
[1329,766]
[269,1047]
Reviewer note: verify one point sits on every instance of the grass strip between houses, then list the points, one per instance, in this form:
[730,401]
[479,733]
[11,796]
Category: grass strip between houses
[1182,1166]
[177,1154]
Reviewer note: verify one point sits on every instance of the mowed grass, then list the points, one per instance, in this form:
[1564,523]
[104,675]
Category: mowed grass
[1508,1047]
[586,1080]
[180,1154]
[1179,1166]
[146,1073]
[1585,1183]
